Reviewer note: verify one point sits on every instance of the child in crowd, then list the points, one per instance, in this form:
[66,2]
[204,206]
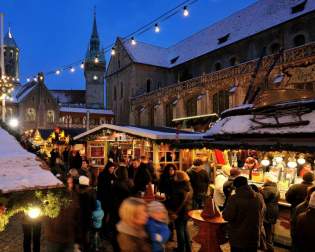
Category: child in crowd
[97,217]
[157,226]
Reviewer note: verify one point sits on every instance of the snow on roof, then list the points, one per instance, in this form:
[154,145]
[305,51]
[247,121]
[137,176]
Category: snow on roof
[19,169]
[145,133]
[21,91]
[243,124]
[85,110]
[260,16]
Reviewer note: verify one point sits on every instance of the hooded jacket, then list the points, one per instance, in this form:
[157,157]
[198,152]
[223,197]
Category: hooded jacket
[271,196]
[97,215]
[199,179]
[305,235]
[244,213]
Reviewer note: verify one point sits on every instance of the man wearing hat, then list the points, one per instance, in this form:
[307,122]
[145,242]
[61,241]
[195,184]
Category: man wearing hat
[297,193]
[305,235]
[244,212]
[228,186]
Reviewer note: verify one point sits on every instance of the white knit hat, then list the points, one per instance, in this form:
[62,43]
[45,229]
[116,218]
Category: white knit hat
[311,203]
[83,180]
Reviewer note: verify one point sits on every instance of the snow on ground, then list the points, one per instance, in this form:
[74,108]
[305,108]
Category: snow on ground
[19,169]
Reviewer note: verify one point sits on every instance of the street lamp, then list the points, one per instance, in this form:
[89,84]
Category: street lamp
[13,123]
[34,212]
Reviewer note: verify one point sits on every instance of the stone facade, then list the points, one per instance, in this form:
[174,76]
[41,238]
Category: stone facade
[149,95]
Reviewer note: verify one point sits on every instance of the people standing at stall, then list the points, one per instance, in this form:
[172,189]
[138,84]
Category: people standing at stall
[132,236]
[220,179]
[271,195]
[178,206]
[305,235]
[65,158]
[301,208]
[244,212]
[105,192]
[75,160]
[166,182]
[297,192]
[85,170]
[199,180]
[228,186]
[143,177]
[132,169]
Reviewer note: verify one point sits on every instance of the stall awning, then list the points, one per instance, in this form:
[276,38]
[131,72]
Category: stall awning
[142,132]
[192,121]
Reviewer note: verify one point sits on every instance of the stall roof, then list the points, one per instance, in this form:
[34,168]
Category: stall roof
[20,170]
[154,134]
[45,133]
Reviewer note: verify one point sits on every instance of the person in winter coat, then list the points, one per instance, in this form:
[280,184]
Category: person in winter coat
[75,160]
[244,212]
[228,186]
[220,179]
[143,177]
[87,200]
[301,208]
[297,193]
[271,195]
[132,236]
[305,235]
[97,215]
[167,180]
[178,205]
[105,191]
[157,227]
[199,179]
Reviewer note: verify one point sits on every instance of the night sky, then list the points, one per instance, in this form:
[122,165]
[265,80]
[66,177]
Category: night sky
[54,33]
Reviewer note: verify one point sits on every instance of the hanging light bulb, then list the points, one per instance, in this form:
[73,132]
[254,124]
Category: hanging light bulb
[133,41]
[28,79]
[185,11]
[301,160]
[265,162]
[35,79]
[157,28]
[82,65]
[292,163]
[72,69]
[113,51]
[279,159]
[96,60]
[18,79]
[95,77]
[58,72]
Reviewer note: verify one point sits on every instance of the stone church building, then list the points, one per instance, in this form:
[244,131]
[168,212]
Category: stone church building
[210,71]
[38,107]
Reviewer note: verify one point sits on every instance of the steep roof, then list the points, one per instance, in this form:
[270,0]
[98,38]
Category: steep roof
[69,96]
[260,16]
[21,91]
[9,40]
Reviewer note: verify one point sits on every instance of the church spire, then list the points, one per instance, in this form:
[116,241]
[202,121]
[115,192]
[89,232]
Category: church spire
[94,30]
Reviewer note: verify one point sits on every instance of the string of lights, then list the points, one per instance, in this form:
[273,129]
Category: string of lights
[154,25]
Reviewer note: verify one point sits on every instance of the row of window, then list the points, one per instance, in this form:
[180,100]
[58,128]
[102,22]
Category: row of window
[68,120]
[30,115]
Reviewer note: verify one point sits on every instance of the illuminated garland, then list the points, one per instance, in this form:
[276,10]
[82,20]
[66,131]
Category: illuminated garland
[6,87]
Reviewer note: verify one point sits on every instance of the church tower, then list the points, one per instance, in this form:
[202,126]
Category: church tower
[11,56]
[94,71]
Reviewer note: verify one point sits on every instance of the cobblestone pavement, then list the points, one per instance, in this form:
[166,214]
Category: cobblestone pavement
[11,240]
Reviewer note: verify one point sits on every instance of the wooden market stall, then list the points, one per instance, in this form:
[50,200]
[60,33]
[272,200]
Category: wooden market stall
[126,142]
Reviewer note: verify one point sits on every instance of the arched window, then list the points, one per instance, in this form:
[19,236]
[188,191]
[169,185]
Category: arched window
[50,116]
[233,61]
[148,85]
[274,48]
[220,101]
[299,40]
[191,106]
[217,66]
[30,115]
[68,120]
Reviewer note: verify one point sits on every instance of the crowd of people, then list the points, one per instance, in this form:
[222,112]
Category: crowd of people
[112,207]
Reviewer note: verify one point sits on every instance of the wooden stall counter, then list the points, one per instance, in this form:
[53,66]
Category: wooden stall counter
[209,236]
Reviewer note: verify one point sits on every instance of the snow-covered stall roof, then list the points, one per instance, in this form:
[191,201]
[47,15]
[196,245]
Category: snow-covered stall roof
[260,16]
[246,125]
[20,170]
[144,133]
[85,110]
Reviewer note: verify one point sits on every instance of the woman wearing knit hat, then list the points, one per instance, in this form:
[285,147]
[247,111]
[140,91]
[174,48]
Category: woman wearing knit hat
[305,235]
[157,226]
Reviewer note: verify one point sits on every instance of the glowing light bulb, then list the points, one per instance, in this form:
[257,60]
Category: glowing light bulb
[133,41]
[185,11]
[28,79]
[35,79]
[34,212]
[72,69]
[96,60]
[265,162]
[95,77]
[113,52]
[58,72]
[279,159]
[301,160]
[82,65]
[13,122]
[157,28]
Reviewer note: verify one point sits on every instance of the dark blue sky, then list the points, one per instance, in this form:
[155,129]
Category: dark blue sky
[53,33]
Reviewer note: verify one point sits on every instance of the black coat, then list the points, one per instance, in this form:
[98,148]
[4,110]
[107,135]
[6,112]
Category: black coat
[305,235]
[105,189]
[166,184]
[199,180]
[244,213]
[297,193]
[142,178]
[180,200]
[271,196]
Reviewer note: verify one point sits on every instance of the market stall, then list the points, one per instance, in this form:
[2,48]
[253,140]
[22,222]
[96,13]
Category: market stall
[127,142]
